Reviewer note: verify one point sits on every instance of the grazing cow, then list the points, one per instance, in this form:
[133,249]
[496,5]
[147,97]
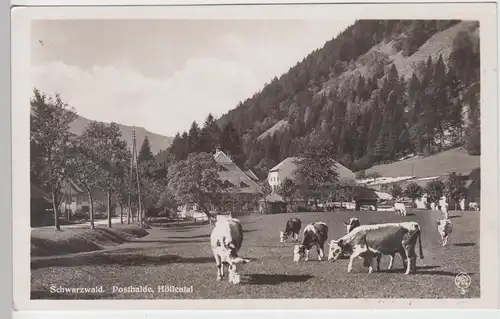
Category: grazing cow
[314,234]
[400,209]
[353,223]
[369,241]
[292,228]
[445,228]
[473,206]
[225,240]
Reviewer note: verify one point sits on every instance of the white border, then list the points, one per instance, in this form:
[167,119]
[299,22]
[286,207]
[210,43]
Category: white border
[21,90]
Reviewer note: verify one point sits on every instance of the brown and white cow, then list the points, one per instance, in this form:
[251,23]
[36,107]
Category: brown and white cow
[373,241]
[292,228]
[314,234]
[225,240]
[353,223]
[445,227]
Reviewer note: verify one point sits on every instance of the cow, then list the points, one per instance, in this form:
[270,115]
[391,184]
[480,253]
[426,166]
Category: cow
[433,206]
[225,240]
[445,227]
[373,241]
[314,234]
[353,223]
[443,207]
[473,206]
[400,209]
[292,228]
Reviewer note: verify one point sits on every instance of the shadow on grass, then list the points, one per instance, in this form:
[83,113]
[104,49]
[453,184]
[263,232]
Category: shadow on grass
[402,270]
[263,279]
[48,295]
[440,273]
[189,237]
[119,259]
[250,230]
[410,214]
[455,216]
[464,244]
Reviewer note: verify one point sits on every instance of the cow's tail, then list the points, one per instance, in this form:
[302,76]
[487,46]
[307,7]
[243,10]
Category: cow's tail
[421,252]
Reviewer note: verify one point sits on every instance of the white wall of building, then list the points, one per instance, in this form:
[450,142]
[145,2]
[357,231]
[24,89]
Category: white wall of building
[274,179]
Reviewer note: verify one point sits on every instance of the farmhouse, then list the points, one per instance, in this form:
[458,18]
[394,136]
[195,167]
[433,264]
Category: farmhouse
[245,191]
[286,169]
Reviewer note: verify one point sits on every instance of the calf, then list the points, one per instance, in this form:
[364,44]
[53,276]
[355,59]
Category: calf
[369,241]
[353,223]
[314,234]
[292,228]
[225,240]
[445,228]
[400,209]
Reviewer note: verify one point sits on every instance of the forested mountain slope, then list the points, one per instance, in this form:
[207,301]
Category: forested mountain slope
[379,90]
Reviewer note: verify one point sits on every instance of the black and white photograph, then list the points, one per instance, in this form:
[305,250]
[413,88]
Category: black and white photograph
[256,158]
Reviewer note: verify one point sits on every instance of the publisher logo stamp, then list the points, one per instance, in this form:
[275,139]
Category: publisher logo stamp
[462,281]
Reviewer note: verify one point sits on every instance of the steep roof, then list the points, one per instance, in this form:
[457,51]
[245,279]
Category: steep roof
[251,175]
[288,166]
[273,198]
[233,174]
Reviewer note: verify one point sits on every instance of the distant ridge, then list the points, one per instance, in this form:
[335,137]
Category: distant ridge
[158,142]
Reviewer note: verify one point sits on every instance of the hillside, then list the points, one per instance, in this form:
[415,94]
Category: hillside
[380,90]
[158,142]
[454,160]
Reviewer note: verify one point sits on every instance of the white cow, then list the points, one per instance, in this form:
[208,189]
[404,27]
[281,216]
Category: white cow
[473,206]
[445,227]
[400,209]
[433,206]
[443,206]
[369,241]
[225,240]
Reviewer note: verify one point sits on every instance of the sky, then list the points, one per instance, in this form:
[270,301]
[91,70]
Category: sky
[164,74]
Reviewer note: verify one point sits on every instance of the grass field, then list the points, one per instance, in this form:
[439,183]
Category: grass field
[454,160]
[179,255]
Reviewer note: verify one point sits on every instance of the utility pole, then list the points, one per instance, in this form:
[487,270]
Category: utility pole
[133,162]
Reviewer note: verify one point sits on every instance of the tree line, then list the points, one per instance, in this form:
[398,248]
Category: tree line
[372,118]
[99,160]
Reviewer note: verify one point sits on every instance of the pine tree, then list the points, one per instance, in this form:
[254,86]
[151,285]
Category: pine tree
[231,143]
[145,154]
[194,138]
[209,135]
[473,131]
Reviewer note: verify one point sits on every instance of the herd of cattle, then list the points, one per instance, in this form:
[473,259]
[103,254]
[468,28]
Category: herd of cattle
[366,242]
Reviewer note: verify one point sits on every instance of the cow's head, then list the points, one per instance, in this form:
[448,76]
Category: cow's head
[336,249]
[299,253]
[235,267]
[353,223]
[283,237]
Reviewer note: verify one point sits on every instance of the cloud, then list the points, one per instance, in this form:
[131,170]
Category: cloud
[169,104]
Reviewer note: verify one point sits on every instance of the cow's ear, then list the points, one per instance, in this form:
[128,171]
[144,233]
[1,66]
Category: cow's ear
[340,242]
[345,223]
[437,221]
